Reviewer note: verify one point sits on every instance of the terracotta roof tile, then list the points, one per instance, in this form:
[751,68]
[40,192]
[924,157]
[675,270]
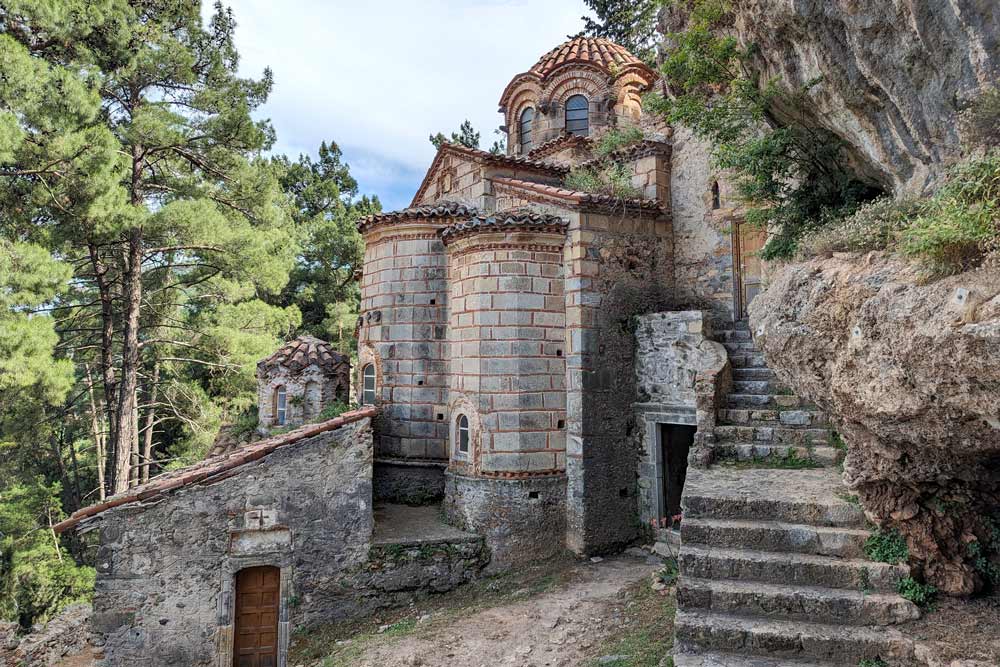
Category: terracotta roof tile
[214,468]
[441,209]
[520,219]
[303,352]
[593,50]
[575,199]
[485,157]
[555,145]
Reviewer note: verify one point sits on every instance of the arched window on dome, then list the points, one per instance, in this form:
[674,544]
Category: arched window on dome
[524,129]
[578,116]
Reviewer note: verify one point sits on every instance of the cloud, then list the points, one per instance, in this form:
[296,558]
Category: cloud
[378,77]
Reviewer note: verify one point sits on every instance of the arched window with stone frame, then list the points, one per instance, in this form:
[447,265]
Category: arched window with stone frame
[525,123]
[716,196]
[463,435]
[578,116]
[368,385]
[279,405]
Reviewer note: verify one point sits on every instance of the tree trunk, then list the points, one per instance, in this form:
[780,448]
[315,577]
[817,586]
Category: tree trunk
[126,409]
[147,445]
[107,362]
[95,428]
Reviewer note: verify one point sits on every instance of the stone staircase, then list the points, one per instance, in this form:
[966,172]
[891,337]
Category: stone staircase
[772,564]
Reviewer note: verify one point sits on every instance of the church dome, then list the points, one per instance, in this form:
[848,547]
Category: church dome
[304,351]
[596,51]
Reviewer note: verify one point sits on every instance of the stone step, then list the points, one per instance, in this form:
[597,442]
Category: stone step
[795,603]
[765,417]
[698,631]
[790,569]
[730,335]
[769,387]
[714,659]
[766,401]
[836,542]
[743,360]
[740,346]
[774,435]
[753,374]
[821,454]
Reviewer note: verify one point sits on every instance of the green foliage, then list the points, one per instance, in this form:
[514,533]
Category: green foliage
[669,572]
[874,226]
[245,426]
[873,662]
[985,553]
[332,411]
[887,546]
[793,178]
[612,179]
[631,23]
[38,577]
[467,136]
[616,139]
[919,594]
[953,228]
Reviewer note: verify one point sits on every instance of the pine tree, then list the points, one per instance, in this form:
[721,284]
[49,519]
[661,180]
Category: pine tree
[631,23]
[466,136]
[127,147]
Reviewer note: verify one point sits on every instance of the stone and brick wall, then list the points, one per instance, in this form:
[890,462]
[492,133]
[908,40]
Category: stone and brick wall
[507,339]
[307,392]
[617,267]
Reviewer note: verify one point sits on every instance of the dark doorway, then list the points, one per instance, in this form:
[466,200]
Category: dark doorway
[675,443]
[255,642]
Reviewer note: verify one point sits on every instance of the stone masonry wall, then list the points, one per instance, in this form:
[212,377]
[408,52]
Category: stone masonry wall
[703,248]
[673,352]
[166,568]
[306,394]
[617,267]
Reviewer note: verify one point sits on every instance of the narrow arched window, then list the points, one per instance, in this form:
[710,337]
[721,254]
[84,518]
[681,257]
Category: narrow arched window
[578,116]
[716,196]
[368,385]
[279,405]
[463,434]
[527,116]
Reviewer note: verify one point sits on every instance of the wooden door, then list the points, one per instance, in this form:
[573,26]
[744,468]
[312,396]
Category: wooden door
[256,638]
[748,241]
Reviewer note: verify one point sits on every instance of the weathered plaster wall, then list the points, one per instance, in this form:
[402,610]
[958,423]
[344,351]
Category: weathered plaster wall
[166,568]
[703,248]
[617,267]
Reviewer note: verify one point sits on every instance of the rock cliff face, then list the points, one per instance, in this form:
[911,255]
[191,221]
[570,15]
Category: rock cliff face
[910,374]
[894,73]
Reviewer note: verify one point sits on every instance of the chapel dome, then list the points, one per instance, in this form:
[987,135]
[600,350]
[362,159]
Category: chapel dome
[597,51]
[304,351]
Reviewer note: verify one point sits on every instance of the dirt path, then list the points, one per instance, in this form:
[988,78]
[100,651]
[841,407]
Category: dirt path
[564,626]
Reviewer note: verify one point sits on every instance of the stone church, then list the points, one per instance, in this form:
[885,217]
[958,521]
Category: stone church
[498,332]
[540,360]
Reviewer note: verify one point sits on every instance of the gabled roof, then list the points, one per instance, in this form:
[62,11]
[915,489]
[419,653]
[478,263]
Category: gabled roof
[487,158]
[521,219]
[304,351]
[576,200]
[437,210]
[561,142]
[634,151]
[212,469]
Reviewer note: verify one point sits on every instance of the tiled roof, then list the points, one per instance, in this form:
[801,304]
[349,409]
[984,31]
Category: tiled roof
[212,469]
[574,199]
[557,144]
[303,352]
[485,157]
[592,50]
[441,209]
[520,219]
[634,152]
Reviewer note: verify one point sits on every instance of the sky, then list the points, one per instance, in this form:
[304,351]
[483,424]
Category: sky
[379,76]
